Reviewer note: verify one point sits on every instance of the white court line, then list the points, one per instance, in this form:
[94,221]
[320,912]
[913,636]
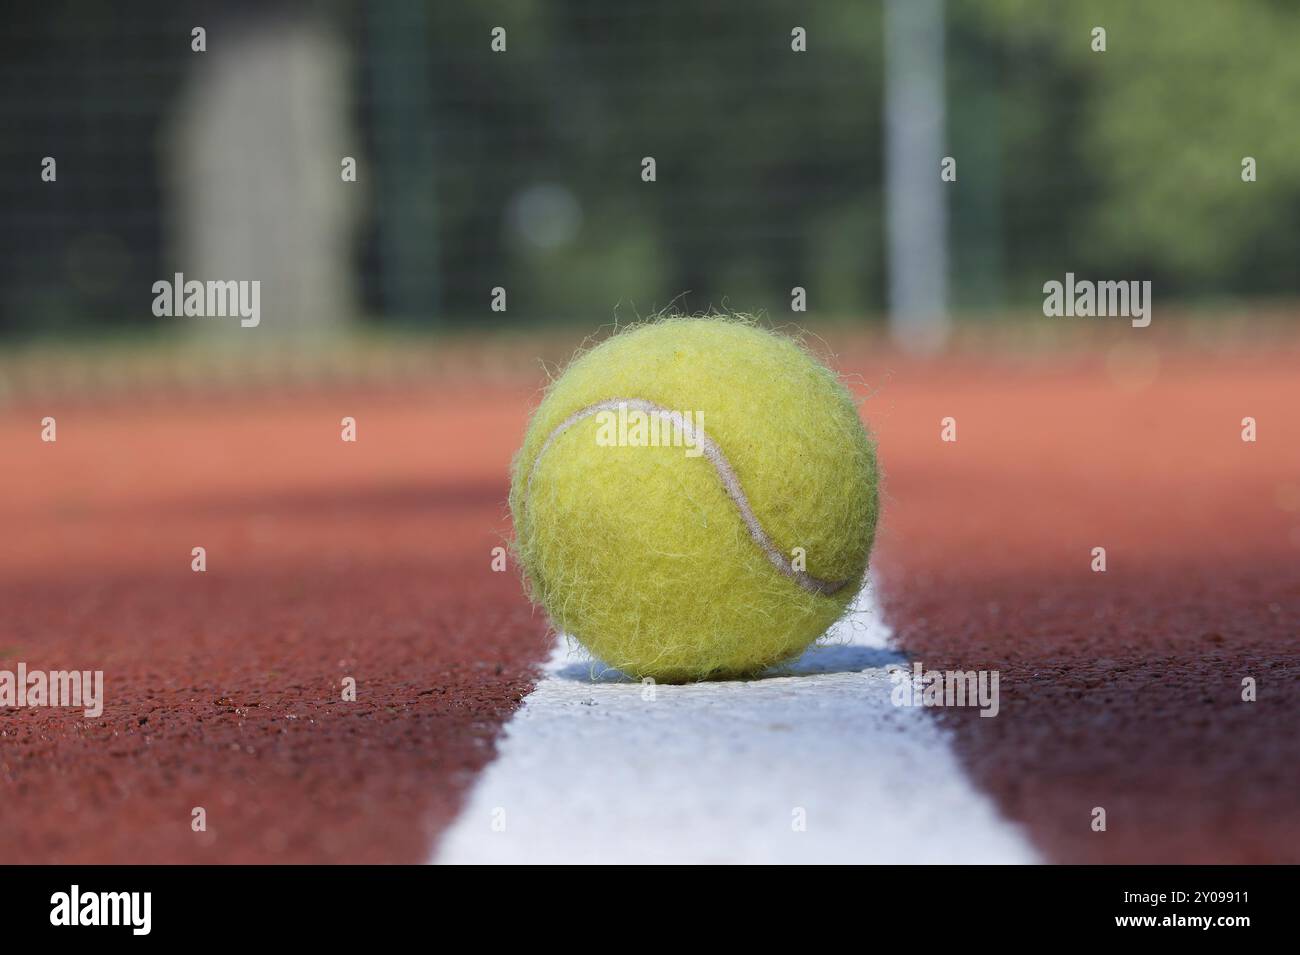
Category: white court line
[591,771]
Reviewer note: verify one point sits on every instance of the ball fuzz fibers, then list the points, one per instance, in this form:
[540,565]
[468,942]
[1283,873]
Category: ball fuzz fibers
[695,499]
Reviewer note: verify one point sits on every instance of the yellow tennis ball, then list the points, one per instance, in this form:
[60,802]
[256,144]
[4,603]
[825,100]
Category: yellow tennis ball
[695,499]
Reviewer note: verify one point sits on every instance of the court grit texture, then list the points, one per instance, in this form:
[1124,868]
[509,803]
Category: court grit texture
[1119,690]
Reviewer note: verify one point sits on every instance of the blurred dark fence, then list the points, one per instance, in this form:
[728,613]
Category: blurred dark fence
[522,169]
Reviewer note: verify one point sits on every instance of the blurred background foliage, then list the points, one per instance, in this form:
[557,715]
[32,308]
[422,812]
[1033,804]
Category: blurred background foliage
[522,169]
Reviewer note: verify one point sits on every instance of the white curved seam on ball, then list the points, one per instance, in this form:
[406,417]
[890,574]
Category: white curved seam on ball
[730,483]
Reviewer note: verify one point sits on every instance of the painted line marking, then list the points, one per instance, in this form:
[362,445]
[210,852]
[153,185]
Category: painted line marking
[590,770]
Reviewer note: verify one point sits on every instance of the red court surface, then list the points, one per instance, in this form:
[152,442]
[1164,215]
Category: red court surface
[372,560]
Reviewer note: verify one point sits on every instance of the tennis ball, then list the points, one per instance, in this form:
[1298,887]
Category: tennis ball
[695,498]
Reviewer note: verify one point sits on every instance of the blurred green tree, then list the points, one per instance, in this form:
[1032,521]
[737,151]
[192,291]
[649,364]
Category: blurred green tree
[1128,162]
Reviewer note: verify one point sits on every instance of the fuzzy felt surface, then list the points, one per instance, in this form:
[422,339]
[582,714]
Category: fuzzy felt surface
[638,550]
